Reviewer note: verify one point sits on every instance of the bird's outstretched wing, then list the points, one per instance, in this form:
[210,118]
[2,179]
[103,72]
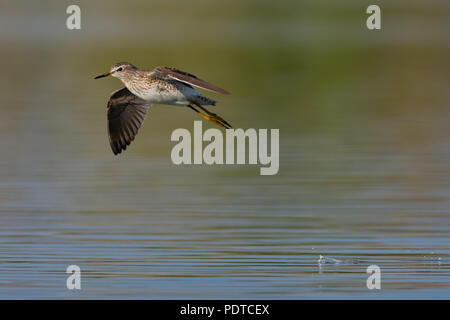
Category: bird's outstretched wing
[126,113]
[172,73]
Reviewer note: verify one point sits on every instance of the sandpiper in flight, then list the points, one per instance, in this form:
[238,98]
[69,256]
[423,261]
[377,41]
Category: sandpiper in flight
[127,107]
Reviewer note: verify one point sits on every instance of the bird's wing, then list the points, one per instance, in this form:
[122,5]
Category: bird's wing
[172,73]
[126,113]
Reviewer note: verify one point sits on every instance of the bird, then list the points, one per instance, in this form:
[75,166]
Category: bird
[128,106]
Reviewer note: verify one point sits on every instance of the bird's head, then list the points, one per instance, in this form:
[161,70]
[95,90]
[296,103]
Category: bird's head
[119,70]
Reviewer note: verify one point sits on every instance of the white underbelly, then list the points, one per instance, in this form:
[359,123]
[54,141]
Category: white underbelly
[160,95]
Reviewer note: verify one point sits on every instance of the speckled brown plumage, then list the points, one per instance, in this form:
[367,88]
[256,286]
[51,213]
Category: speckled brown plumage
[128,106]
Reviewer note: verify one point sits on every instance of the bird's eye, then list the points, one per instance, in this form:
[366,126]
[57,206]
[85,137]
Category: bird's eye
[119,69]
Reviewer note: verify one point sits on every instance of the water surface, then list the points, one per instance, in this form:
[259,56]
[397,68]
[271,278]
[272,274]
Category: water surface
[364,153]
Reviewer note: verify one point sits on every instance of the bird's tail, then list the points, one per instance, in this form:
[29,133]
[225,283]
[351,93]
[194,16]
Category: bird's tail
[204,101]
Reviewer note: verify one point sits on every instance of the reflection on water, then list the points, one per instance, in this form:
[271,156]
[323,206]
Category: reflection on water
[364,158]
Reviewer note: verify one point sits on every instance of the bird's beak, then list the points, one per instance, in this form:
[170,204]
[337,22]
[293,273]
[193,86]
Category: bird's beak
[103,75]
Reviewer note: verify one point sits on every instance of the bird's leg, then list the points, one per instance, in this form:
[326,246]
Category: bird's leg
[210,118]
[215,116]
